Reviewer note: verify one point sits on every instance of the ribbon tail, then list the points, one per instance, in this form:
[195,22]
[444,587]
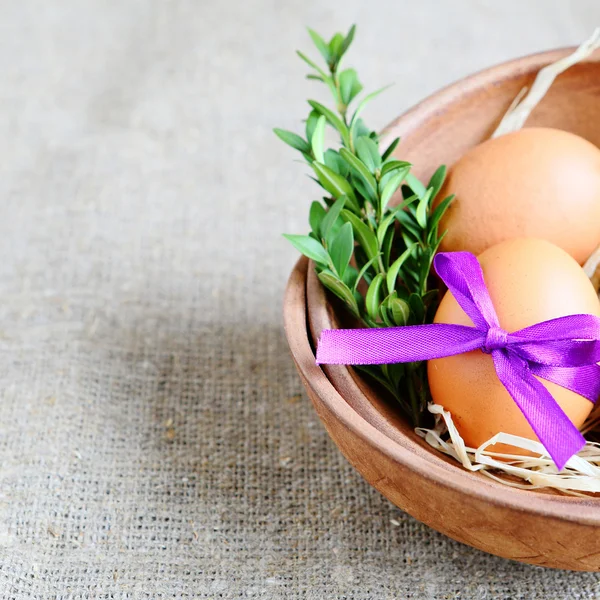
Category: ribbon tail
[388,345]
[584,381]
[551,425]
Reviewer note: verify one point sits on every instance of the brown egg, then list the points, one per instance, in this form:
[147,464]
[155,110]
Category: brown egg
[529,281]
[535,182]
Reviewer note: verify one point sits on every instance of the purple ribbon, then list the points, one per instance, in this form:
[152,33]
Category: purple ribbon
[564,351]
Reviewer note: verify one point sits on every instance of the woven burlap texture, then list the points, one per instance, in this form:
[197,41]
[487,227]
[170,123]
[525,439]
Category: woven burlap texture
[155,440]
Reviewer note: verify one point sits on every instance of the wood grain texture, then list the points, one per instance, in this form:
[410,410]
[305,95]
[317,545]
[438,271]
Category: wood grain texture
[540,528]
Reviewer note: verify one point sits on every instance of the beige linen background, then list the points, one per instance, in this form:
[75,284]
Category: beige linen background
[155,441]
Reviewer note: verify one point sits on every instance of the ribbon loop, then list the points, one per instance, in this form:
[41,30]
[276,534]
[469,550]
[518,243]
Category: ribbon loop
[564,351]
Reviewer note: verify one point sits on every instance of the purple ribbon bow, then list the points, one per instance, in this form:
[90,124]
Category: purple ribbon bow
[564,351]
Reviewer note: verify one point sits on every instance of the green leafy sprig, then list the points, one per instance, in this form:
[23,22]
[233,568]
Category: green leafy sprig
[375,233]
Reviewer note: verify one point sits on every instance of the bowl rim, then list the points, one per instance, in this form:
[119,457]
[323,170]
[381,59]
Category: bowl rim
[510,69]
[585,511]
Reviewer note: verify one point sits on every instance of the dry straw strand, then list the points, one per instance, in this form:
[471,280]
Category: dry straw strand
[520,110]
[581,474]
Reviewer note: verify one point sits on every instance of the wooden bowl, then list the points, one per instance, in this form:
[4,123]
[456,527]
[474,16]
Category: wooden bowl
[541,528]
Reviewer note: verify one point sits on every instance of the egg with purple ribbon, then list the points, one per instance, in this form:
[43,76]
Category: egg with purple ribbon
[529,281]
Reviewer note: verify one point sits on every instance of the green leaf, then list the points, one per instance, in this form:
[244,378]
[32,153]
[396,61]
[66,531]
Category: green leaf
[415,185]
[373,296]
[408,224]
[400,311]
[311,124]
[407,219]
[360,130]
[359,167]
[435,248]
[410,280]
[361,187]
[349,277]
[389,218]
[417,307]
[407,193]
[339,288]
[383,226]
[335,184]
[408,238]
[332,215]
[362,107]
[392,186]
[347,40]
[439,212]
[396,372]
[368,152]
[336,163]
[318,139]
[350,86]
[365,237]
[333,119]
[292,139]
[403,293]
[360,256]
[386,247]
[341,248]
[375,371]
[393,165]
[335,46]
[421,213]
[425,267]
[436,181]
[390,149]
[335,228]
[312,64]
[392,273]
[430,296]
[309,247]
[320,43]
[385,315]
[408,201]
[316,216]
[363,271]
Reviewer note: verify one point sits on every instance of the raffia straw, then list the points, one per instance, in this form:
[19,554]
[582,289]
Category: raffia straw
[519,111]
[580,476]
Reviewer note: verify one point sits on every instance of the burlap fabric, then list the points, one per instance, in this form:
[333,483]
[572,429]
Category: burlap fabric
[155,441]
